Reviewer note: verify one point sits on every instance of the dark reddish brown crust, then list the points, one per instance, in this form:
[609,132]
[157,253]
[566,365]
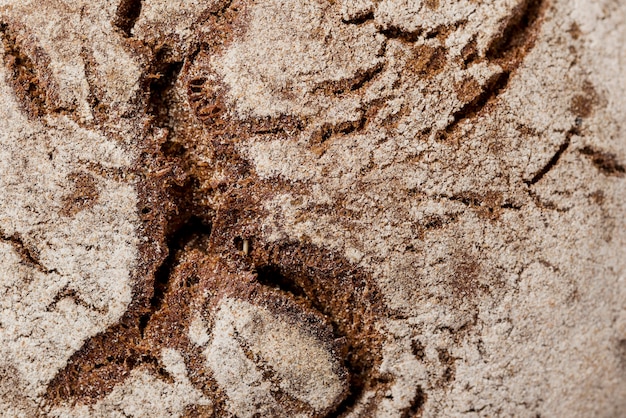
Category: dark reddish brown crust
[83,195]
[28,66]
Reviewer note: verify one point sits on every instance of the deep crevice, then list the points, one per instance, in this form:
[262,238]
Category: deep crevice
[492,89]
[164,75]
[310,289]
[515,33]
[127,14]
[354,83]
[190,230]
[508,50]
[394,32]
[360,18]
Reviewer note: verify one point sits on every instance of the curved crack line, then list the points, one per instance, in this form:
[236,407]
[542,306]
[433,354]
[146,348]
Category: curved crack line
[555,158]
[27,253]
[517,37]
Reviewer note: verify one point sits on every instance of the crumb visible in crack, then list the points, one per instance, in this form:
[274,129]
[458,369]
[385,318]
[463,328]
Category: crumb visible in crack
[25,78]
[127,14]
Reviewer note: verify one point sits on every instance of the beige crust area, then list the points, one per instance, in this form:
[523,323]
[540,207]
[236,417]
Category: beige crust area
[68,206]
[459,166]
[491,246]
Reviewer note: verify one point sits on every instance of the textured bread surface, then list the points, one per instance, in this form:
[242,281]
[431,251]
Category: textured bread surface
[309,208]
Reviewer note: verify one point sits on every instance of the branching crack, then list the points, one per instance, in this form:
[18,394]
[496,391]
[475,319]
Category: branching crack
[27,253]
[517,37]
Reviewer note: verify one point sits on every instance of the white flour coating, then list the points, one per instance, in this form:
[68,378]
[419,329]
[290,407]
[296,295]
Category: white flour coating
[65,276]
[501,251]
[549,271]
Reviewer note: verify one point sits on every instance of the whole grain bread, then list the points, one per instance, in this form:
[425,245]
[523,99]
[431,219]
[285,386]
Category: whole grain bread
[307,208]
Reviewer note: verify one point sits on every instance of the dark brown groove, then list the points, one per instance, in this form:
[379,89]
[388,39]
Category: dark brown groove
[555,158]
[394,32]
[357,82]
[192,228]
[606,162]
[28,254]
[24,75]
[492,89]
[360,18]
[516,31]
[320,287]
[517,37]
[127,14]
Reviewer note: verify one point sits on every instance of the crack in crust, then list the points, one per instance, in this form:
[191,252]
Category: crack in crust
[315,280]
[27,253]
[26,79]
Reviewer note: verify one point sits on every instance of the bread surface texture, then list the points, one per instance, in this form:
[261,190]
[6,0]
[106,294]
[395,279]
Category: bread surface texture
[308,208]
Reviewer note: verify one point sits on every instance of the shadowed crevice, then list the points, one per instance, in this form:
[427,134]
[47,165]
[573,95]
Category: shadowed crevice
[508,49]
[126,16]
[606,162]
[345,295]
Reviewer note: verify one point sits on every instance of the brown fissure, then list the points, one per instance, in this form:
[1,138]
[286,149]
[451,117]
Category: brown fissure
[27,253]
[554,159]
[188,221]
[517,37]
[25,78]
[126,16]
